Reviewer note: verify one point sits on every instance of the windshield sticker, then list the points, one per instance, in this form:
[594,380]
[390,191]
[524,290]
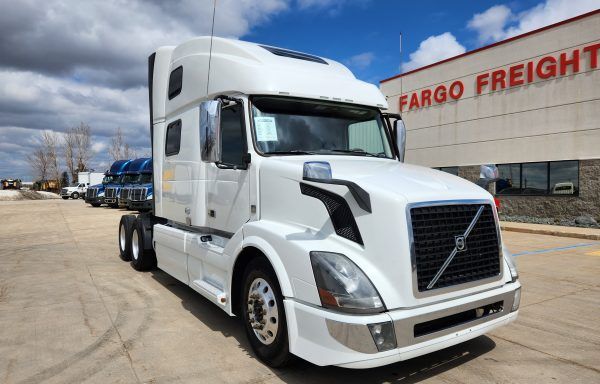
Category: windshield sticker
[265,128]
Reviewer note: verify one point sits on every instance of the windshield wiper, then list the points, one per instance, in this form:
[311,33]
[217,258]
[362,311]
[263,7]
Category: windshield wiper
[291,152]
[359,152]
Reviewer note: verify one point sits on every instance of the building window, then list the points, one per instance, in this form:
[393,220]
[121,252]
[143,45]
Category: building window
[564,178]
[450,170]
[538,179]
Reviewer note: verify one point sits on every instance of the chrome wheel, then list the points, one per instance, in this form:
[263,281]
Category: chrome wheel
[263,315]
[122,237]
[135,249]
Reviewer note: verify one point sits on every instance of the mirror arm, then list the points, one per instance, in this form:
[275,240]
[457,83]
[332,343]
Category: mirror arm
[229,98]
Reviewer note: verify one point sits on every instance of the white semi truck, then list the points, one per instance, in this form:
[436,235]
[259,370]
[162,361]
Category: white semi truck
[281,195]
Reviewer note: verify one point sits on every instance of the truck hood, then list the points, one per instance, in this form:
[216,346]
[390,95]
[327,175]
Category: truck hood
[411,183]
[384,250]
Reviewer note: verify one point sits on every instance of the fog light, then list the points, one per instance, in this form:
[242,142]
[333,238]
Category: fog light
[383,335]
[517,300]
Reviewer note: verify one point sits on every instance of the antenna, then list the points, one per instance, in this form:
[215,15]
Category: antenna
[400,110]
[212,33]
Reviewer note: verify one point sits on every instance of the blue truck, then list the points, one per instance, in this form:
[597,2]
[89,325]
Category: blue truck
[96,194]
[141,195]
[135,176]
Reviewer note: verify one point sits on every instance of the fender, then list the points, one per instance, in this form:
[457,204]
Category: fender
[275,260]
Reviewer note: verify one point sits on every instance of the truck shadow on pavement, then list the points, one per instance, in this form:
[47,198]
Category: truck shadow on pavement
[301,371]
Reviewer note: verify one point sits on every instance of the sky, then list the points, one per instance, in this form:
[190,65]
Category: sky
[64,62]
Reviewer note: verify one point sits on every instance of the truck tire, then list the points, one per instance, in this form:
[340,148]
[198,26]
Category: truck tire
[65,197]
[143,257]
[264,315]
[96,205]
[125,228]
[75,195]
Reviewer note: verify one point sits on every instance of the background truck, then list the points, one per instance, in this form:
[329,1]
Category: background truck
[90,178]
[141,194]
[96,193]
[133,178]
[11,184]
[281,195]
[74,191]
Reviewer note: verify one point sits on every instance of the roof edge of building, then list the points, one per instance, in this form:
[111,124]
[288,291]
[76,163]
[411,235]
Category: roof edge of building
[510,39]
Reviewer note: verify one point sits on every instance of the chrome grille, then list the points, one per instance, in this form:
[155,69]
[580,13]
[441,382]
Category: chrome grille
[92,192]
[435,229]
[138,194]
[63,191]
[110,193]
[124,194]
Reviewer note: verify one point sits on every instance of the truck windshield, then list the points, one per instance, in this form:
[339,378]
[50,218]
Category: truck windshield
[145,178]
[109,179]
[130,179]
[297,126]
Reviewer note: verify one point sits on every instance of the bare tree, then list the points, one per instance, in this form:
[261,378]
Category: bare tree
[119,149]
[83,145]
[50,147]
[116,145]
[38,163]
[129,152]
[69,150]
[76,146]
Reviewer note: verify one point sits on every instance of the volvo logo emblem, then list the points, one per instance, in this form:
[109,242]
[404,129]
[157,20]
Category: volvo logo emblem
[460,242]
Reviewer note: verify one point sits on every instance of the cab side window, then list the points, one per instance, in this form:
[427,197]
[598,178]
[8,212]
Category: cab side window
[173,141]
[175,82]
[233,143]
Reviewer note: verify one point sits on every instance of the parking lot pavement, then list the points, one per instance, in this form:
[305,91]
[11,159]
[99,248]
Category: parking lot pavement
[72,312]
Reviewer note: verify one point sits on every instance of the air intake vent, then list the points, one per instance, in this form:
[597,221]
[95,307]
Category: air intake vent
[339,211]
[294,54]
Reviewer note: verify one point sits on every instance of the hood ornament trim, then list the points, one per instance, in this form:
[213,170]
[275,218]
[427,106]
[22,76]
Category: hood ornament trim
[456,250]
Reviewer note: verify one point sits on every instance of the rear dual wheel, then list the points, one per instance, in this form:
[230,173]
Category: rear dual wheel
[143,257]
[133,242]
[125,227]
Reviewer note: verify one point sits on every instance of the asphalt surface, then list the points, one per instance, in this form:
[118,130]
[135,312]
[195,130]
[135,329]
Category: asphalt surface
[71,311]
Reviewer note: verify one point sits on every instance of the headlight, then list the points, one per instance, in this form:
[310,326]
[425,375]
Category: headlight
[100,194]
[149,197]
[510,260]
[342,285]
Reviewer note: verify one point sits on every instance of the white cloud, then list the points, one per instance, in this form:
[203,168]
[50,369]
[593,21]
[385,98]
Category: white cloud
[66,62]
[433,49]
[498,22]
[361,61]
[490,24]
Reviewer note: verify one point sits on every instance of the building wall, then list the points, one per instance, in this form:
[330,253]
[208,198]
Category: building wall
[548,119]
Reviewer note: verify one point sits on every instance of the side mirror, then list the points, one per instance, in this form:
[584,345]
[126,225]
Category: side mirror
[400,133]
[210,131]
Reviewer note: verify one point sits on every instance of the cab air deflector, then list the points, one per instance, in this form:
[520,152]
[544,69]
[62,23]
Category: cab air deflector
[362,197]
[339,212]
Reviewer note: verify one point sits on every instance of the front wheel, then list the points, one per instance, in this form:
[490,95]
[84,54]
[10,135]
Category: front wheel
[264,315]
[96,205]
[75,195]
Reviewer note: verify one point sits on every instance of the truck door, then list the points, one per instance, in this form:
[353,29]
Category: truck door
[228,198]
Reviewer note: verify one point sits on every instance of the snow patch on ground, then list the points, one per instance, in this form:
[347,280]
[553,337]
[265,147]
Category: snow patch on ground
[13,195]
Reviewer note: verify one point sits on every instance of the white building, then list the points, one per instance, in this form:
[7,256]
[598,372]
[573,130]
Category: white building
[530,104]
